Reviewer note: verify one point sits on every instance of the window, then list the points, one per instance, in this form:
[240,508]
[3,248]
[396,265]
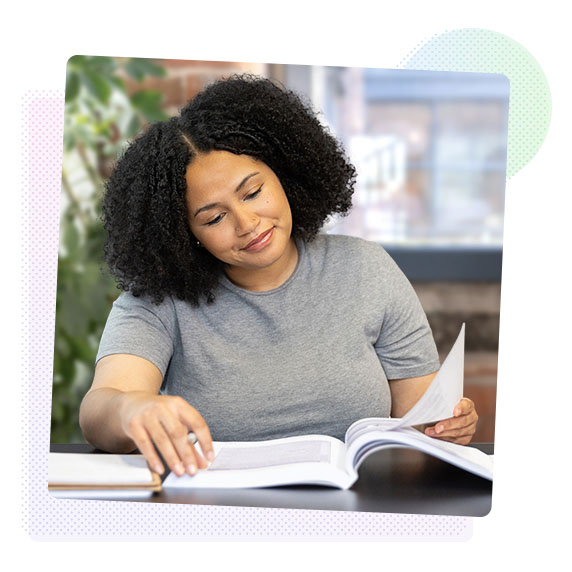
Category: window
[430,151]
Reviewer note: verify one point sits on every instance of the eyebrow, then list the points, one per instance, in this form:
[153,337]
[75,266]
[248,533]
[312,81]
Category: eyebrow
[239,186]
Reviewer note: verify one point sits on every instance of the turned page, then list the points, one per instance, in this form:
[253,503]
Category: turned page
[445,390]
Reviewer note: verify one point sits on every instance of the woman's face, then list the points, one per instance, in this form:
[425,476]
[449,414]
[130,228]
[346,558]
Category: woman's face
[238,210]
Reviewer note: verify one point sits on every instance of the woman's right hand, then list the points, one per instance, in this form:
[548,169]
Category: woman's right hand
[162,423]
[123,410]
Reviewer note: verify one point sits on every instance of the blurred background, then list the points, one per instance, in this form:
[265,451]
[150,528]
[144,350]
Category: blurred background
[430,151]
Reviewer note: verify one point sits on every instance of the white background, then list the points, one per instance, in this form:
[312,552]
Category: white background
[529,522]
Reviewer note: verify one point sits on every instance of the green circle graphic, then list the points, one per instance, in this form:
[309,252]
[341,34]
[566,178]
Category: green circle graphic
[478,50]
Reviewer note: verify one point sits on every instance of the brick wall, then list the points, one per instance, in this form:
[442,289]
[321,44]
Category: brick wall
[185,78]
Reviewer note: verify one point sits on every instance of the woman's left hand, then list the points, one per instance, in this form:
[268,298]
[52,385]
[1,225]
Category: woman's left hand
[457,429]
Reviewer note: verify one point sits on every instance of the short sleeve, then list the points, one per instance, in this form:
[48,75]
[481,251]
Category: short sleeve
[138,327]
[405,346]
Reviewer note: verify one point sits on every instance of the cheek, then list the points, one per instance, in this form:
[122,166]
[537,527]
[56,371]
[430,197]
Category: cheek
[286,209]
[280,206]
[217,239]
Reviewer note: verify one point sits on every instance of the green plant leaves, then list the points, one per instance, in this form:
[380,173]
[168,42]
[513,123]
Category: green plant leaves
[138,68]
[99,119]
[73,85]
[149,104]
[99,75]
[97,85]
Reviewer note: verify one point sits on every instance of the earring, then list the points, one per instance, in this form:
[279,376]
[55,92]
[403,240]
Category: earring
[198,244]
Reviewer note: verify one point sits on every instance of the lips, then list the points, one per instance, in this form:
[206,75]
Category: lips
[260,241]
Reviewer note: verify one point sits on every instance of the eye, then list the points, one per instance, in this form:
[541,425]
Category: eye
[254,194]
[215,220]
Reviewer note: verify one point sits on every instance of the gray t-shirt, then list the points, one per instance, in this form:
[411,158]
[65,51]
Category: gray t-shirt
[309,357]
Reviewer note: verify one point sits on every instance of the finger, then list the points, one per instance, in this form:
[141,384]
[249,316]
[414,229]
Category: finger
[200,456]
[457,422]
[164,444]
[194,420]
[464,406]
[461,435]
[454,432]
[468,417]
[453,426]
[178,433]
[141,438]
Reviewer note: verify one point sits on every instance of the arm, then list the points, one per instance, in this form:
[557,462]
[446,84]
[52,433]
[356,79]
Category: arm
[460,428]
[405,393]
[123,411]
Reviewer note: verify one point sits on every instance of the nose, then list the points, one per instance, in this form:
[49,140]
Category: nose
[246,221]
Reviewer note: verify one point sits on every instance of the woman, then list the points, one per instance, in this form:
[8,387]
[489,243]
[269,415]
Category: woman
[238,318]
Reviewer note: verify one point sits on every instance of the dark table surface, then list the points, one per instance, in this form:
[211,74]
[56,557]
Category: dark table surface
[394,480]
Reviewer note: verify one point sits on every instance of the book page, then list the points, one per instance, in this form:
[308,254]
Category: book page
[307,459]
[244,457]
[367,425]
[445,390]
[467,458]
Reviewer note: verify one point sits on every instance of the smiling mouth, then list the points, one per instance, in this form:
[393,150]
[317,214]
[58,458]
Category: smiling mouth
[260,241]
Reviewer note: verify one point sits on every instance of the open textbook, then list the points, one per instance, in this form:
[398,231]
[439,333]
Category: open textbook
[323,460]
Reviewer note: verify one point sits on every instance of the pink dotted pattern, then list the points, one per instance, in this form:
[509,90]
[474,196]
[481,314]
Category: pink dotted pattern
[48,518]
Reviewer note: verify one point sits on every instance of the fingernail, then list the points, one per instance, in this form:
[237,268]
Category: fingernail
[191,469]
[210,456]
[158,469]
[457,412]
[439,428]
[431,431]
[179,469]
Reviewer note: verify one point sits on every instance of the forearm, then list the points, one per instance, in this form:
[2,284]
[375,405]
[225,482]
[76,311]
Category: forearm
[100,419]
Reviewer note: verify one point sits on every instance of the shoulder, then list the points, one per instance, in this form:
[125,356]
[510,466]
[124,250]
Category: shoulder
[356,263]
[144,306]
[351,251]
[128,300]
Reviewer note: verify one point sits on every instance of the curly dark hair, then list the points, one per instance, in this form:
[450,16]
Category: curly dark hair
[149,246]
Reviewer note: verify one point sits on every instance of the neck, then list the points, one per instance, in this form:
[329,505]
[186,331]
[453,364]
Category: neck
[269,278]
